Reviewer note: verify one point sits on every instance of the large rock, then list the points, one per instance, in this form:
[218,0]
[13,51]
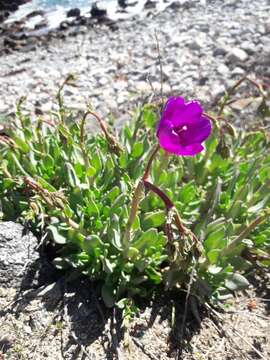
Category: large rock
[126,3]
[17,253]
[98,10]
[7,6]
[11,5]
[76,12]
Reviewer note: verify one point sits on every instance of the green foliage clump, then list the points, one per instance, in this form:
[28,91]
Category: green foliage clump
[76,189]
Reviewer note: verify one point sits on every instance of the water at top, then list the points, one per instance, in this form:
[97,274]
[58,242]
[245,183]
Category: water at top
[56,10]
[51,4]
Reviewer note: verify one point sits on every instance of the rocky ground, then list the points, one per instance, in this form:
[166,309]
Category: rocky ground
[44,317]
[205,46]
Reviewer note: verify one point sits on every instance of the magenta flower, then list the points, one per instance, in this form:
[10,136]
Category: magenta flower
[183,127]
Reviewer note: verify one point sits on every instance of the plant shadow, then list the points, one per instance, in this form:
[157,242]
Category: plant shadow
[181,317]
[75,306]
[82,319]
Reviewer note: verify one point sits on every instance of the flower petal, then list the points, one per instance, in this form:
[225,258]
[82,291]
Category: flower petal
[190,150]
[172,105]
[191,113]
[196,132]
[168,139]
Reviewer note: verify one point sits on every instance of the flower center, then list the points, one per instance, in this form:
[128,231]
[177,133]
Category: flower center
[182,133]
[180,129]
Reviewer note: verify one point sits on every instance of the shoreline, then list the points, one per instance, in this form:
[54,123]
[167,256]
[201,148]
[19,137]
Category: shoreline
[29,24]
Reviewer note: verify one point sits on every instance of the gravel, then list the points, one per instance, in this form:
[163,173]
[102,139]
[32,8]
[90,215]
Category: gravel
[205,46]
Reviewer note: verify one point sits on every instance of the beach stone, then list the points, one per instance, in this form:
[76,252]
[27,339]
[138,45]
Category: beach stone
[126,3]
[76,12]
[43,23]
[220,51]
[237,55]
[238,71]
[248,47]
[223,69]
[175,5]
[150,4]
[197,44]
[64,25]
[218,91]
[98,10]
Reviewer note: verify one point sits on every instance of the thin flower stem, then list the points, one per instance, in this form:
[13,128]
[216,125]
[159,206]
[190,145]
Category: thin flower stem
[101,123]
[19,111]
[212,118]
[82,127]
[59,98]
[50,200]
[150,161]
[167,202]
[138,194]
[145,184]
[229,94]
[233,88]
[169,206]
[113,143]
[137,197]
[257,85]
[83,148]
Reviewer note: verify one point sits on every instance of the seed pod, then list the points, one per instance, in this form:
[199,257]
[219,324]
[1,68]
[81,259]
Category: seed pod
[229,129]
[223,149]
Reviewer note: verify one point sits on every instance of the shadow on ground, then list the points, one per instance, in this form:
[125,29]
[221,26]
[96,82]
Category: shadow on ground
[86,329]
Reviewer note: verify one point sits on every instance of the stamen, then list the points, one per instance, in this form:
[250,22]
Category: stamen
[180,129]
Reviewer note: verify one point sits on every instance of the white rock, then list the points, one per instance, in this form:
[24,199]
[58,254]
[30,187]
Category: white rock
[143,86]
[218,90]
[223,69]
[103,81]
[3,107]
[197,44]
[248,47]
[238,71]
[236,55]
